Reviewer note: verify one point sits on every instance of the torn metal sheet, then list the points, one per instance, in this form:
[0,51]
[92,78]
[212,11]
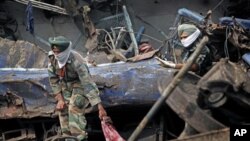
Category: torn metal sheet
[15,54]
[183,102]
[129,83]
[228,72]
[32,86]
[224,90]
[119,83]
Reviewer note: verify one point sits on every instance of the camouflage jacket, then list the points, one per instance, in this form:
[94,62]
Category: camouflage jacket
[204,60]
[76,78]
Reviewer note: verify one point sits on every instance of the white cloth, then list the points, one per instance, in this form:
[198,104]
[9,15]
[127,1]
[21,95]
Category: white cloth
[166,63]
[62,57]
[191,38]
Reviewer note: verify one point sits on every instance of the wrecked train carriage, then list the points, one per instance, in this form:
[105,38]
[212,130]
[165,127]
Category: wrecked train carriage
[111,90]
[23,62]
[130,87]
[127,90]
[225,84]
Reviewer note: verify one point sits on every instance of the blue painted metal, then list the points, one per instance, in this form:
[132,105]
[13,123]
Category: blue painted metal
[139,34]
[191,15]
[246,58]
[229,21]
[132,83]
[119,84]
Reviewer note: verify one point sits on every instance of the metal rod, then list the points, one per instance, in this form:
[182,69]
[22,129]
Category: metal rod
[154,27]
[45,6]
[166,93]
[120,38]
[130,29]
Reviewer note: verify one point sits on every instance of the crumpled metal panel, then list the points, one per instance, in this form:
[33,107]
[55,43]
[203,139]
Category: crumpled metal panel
[119,84]
[21,54]
[229,72]
[32,86]
[129,83]
[224,90]
[183,102]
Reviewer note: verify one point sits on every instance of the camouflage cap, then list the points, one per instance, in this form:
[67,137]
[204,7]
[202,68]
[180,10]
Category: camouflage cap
[60,42]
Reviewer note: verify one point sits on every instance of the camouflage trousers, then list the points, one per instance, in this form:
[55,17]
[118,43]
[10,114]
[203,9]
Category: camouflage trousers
[72,119]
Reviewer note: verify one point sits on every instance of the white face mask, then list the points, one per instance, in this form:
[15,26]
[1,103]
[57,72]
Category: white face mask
[191,38]
[62,57]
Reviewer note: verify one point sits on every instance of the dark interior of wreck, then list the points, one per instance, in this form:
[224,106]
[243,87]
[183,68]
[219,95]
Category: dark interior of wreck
[167,121]
[198,108]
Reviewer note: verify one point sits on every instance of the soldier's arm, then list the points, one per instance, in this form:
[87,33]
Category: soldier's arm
[90,89]
[170,64]
[194,67]
[54,80]
[56,87]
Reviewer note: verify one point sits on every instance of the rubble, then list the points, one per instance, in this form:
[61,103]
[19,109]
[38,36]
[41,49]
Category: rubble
[133,78]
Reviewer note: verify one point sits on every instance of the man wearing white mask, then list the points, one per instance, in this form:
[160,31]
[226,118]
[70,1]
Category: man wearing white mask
[190,36]
[72,87]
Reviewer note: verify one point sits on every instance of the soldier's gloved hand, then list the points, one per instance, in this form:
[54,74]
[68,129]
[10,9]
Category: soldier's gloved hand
[164,63]
[102,112]
[60,105]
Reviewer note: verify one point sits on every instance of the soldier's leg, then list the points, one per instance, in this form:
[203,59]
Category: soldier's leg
[77,120]
[64,121]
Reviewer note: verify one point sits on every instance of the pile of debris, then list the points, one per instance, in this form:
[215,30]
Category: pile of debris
[206,103]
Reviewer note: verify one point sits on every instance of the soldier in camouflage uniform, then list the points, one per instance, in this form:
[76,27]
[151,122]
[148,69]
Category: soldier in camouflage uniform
[72,87]
[189,36]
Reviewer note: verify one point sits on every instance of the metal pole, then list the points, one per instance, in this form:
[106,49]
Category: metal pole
[166,93]
[130,29]
[156,28]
